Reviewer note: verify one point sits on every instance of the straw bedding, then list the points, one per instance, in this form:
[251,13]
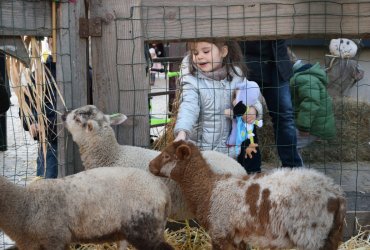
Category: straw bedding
[195,238]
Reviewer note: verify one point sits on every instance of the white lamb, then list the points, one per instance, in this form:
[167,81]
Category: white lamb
[286,208]
[91,130]
[82,208]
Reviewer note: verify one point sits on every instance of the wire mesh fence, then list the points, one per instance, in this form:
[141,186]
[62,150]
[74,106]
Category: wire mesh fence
[124,79]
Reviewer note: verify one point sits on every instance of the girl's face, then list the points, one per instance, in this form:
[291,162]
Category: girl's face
[207,56]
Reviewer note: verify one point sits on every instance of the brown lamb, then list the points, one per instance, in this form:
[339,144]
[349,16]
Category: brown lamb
[284,208]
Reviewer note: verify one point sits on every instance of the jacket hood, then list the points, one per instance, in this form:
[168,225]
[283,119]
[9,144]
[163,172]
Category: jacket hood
[314,71]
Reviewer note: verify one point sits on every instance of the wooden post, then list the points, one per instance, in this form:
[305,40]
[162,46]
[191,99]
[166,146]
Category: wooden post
[54,31]
[120,83]
[175,49]
[71,78]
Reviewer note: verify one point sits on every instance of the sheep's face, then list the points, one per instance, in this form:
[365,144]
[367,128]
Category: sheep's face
[89,119]
[167,164]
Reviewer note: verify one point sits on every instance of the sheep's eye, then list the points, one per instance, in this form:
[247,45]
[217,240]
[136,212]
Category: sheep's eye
[166,157]
[347,42]
[341,41]
[77,120]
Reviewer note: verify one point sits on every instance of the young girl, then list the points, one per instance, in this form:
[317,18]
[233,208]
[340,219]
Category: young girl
[209,75]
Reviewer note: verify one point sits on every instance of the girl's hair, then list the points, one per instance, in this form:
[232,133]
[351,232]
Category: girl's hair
[233,60]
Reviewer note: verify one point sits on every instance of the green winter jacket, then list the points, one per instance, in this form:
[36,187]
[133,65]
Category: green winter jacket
[313,107]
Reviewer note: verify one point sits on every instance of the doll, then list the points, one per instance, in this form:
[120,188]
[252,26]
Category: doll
[246,94]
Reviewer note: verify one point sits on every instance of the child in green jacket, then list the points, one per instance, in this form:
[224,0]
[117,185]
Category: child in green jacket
[313,107]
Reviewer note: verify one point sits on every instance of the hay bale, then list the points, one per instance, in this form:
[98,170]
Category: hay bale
[353,135]
[351,144]
[168,136]
[266,139]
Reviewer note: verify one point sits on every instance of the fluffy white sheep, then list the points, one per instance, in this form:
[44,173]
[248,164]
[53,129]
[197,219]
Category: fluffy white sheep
[82,208]
[91,130]
[285,208]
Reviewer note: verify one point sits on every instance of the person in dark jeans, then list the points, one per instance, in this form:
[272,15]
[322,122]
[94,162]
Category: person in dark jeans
[270,66]
[50,169]
[4,102]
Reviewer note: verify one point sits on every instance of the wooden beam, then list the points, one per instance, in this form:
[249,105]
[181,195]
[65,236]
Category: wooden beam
[21,17]
[71,79]
[14,46]
[120,83]
[181,20]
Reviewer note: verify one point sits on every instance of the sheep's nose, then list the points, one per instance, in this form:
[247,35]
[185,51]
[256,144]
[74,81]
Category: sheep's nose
[153,169]
[64,116]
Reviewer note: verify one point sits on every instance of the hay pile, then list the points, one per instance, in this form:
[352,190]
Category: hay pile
[361,241]
[195,238]
[168,135]
[351,144]
[353,134]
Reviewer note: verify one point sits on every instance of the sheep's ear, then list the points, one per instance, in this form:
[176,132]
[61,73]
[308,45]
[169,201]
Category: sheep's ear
[116,119]
[183,152]
[90,125]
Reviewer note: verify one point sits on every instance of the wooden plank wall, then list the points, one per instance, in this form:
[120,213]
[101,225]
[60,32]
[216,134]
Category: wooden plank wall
[71,78]
[19,17]
[120,83]
[184,20]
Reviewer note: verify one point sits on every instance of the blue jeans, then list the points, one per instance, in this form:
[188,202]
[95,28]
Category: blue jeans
[279,104]
[51,161]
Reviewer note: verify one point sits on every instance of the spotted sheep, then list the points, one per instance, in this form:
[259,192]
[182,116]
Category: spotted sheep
[284,208]
[83,208]
[92,131]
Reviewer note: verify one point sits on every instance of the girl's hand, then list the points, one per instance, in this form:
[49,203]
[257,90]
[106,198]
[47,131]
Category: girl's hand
[34,130]
[180,136]
[251,116]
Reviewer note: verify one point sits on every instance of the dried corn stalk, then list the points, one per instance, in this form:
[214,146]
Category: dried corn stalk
[42,89]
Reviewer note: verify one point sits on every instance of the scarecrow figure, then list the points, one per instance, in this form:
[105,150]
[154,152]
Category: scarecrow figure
[342,68]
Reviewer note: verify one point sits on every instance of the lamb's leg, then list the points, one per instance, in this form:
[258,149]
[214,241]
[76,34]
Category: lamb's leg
[55,246]
[28,246]
[163,246]
[242,246]
[150,244]
[221,244]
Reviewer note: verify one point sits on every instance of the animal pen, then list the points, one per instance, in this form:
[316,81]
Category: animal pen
[112,37]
